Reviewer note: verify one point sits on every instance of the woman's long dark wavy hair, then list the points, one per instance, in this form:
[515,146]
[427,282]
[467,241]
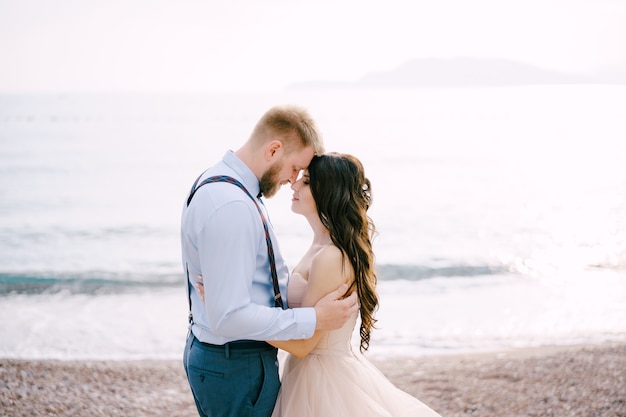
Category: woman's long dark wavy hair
[342,194]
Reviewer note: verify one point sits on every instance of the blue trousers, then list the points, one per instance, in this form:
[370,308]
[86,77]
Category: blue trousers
[232,382]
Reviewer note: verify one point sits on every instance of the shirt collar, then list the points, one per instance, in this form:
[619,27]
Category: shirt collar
[249,180]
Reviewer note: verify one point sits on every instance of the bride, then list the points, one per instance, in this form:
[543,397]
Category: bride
[322,375]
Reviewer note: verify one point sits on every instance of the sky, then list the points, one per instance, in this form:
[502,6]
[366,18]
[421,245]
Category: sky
[251,45]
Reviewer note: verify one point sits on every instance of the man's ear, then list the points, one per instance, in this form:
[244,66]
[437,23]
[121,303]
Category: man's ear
[273,149]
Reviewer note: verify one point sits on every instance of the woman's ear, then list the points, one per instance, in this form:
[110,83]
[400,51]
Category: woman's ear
[273,149]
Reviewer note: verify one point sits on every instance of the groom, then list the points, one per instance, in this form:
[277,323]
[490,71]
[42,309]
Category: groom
[227,239]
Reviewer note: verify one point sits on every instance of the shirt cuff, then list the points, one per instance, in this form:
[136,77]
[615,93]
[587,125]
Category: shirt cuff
[306,320]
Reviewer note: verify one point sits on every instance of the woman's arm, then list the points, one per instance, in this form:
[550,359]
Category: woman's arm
[327,272]
[298,348]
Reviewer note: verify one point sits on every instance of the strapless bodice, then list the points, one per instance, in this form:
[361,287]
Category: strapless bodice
[295,290]
[335,341]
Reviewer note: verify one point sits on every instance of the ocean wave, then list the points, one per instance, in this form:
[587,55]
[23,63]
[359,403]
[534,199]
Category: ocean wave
[617,262]
[106,282]
[389,272]
[95,283]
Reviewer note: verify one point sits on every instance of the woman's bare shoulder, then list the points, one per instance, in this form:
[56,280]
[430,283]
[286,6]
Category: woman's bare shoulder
[331,265]
[330,255]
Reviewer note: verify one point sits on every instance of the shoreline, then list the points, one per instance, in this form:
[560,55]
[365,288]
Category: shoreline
[581,380]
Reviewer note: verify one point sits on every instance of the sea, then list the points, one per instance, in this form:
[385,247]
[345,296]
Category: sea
[500,214]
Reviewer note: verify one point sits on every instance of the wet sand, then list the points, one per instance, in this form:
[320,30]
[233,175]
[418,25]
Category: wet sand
[549,381]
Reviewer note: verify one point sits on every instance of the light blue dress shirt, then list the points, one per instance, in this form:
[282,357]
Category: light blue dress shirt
[223,240]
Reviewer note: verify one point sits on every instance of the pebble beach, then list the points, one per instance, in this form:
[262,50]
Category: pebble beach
[567,381]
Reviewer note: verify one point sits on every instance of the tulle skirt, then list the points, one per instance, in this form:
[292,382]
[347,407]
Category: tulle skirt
[329,383]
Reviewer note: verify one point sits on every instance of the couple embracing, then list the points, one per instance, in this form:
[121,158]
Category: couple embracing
[245,304]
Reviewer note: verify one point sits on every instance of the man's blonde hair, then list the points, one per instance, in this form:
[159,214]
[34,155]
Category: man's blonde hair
[292,125]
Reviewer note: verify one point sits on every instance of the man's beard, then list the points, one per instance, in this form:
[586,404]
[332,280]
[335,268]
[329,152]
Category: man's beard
[269,183]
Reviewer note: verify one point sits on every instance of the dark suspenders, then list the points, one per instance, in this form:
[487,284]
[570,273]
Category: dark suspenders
[278,302]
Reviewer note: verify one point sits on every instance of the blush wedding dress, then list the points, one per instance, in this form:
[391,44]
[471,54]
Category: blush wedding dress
[334,381]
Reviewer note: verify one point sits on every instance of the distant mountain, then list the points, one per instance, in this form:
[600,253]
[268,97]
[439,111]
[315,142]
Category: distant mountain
[613,75]
[457,72]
